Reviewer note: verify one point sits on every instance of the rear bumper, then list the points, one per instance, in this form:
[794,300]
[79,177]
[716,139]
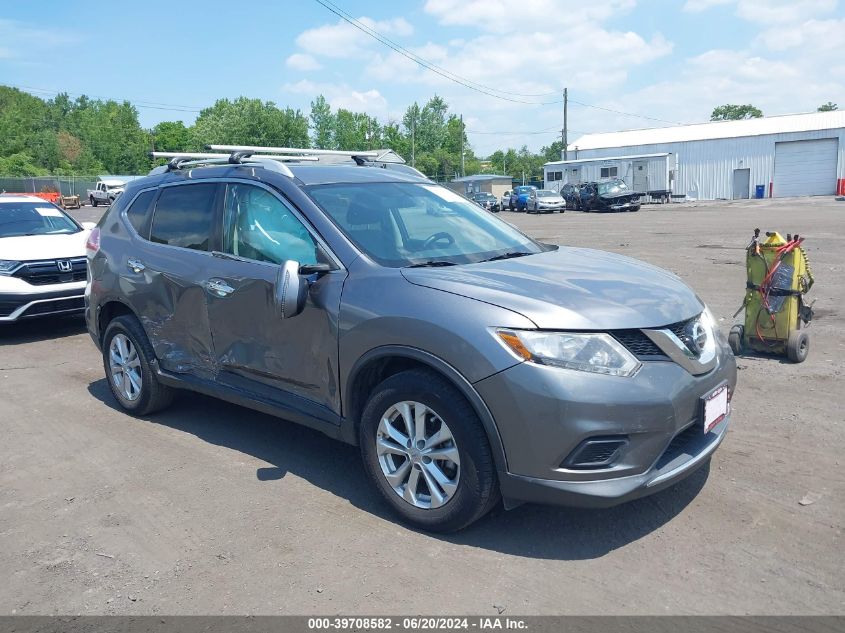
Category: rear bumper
[14,307]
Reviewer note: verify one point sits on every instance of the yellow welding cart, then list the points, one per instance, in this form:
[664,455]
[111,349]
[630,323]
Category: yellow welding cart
[775,313]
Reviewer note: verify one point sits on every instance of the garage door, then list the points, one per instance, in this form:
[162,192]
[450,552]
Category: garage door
[805,168]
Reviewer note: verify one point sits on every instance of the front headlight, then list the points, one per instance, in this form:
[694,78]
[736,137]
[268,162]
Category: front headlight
[596,353]
[707,342]
[7,266]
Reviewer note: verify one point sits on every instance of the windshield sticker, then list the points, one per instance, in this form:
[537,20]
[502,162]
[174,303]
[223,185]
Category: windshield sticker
[48,212]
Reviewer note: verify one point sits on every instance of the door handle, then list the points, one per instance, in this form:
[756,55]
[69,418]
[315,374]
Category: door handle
[135,265]
[219,287]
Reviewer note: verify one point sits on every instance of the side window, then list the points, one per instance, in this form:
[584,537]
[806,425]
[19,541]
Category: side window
[139,210]
[258,225]
[184,216]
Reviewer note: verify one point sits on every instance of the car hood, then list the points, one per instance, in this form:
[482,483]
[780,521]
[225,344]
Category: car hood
[550,200]
[571,288]
[27,248]
[620,194]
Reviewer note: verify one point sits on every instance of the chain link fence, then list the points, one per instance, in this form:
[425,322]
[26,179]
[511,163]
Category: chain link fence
[65,185]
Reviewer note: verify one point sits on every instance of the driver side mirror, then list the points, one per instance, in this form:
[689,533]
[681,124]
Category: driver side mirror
[291,290]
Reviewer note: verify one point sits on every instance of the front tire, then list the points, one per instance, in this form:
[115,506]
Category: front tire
[127,355]
[426,451]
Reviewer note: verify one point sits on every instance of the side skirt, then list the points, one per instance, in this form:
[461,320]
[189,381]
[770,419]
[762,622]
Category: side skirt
[329,423]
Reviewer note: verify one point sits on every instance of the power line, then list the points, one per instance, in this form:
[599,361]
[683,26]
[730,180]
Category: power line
[485,90]
[642,116]
[141,104]
[416,58]
[468,83]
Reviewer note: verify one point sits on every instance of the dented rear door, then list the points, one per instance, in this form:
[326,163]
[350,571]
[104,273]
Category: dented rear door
[164,277]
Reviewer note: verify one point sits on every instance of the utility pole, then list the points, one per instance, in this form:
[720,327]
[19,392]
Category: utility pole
[462,147]
[413,129]
[564,139]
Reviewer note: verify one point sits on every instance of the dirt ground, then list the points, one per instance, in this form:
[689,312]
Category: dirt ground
[208,508]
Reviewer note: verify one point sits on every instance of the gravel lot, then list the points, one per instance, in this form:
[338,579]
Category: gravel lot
[210,508]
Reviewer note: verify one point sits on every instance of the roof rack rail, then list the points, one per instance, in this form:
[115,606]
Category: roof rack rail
[180,160]
[257,149]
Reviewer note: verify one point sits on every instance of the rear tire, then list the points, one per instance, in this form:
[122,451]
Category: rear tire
[736,338]
[798,346]
[127,352]
[470,488]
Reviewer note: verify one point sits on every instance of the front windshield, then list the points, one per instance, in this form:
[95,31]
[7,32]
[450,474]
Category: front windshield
[33,218]
[484,196]
[525,189]
[402,224]
[612,187]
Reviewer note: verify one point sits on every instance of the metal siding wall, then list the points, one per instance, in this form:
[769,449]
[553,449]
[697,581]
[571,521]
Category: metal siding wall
[705,168]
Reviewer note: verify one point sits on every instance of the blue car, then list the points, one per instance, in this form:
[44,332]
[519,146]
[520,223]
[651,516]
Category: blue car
[519,197]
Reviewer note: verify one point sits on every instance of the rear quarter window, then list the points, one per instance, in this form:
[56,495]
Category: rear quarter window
[139,212]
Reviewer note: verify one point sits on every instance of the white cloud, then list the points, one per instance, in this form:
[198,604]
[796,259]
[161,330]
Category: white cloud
[345,40]
[769,11]
[697,6]
[813,35]
[302,61]
[25,43]
[793,12]
[500,16]
[342,95]
[540,46]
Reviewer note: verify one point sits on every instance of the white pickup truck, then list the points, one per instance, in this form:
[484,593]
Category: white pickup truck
[105,192]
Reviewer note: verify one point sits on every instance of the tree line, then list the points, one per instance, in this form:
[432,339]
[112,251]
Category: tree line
[84,136]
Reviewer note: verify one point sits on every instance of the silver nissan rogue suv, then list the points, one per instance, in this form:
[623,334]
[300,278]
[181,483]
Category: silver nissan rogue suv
[468,361]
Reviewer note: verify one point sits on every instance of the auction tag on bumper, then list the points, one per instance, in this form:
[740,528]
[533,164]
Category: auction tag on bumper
[715,407]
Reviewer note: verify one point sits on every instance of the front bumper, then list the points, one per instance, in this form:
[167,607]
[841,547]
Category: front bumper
[550,208]
[625,206]
[605,493]
[543,414]
[46,301]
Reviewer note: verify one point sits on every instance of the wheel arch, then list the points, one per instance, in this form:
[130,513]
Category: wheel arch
[108,311]
[382,362]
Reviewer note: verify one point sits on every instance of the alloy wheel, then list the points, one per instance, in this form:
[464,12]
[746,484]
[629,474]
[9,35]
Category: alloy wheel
[125,367]
[418,455]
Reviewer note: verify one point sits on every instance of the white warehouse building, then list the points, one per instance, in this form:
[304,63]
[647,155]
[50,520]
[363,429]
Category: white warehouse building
[779,156]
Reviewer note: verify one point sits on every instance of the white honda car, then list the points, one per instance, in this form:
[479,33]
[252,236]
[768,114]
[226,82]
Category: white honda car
[42,259]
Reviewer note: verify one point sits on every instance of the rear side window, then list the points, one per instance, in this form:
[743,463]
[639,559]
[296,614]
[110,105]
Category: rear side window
[184,216]
[139,211]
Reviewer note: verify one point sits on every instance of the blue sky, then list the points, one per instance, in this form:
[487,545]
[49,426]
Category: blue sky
[672,60]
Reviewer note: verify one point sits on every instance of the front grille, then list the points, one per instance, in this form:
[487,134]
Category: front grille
[639,344]
[59,305]
[46,272]
[680,329]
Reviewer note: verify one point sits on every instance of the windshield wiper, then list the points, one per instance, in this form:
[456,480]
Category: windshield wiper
[510,255]
[431,264]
